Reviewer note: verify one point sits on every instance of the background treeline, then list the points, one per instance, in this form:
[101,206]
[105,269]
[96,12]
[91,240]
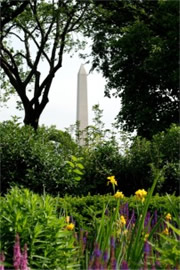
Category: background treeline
[51,159]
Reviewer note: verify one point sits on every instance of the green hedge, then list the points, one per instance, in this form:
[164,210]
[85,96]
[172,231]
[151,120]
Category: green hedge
[85,209]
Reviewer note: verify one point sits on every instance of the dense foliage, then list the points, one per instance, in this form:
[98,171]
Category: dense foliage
[34,218]
[162,152]
[50,159]
[11,9]
[38,160]
[135,45]
[134,168]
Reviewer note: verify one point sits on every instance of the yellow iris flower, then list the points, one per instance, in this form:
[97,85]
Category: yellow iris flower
[168,217]
[118,195]
[70,227]
[146,236]
[166,231]
[112,180]
[122,220]
[140,194]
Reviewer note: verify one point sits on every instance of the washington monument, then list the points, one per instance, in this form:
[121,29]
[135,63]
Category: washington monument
[82,100]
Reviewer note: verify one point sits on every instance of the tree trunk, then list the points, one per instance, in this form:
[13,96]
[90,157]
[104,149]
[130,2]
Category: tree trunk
[32,118]
[33,111]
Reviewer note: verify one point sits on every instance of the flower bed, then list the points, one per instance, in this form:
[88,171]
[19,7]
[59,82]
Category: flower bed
[93,232]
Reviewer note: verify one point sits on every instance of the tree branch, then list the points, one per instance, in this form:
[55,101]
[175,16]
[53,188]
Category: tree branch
[11,33]
[38,56]
[14,68]
[28,56]
[14,13]
[79,19]
[34,9]
[8,70]
[17,85]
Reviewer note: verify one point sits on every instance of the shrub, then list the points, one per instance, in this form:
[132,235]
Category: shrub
[165,153]
[36,159]
[162,152]
[99,162]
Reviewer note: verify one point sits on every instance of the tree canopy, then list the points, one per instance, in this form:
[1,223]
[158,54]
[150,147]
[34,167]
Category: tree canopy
[37,31]
[135,45]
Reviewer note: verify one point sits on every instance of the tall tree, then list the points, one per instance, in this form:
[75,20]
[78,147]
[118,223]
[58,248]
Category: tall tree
[41,32]
[135,45]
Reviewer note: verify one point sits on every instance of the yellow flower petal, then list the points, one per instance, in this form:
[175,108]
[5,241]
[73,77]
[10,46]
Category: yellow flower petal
[68,219]
[168,216]
[146,236]
[166,231]
[70,227]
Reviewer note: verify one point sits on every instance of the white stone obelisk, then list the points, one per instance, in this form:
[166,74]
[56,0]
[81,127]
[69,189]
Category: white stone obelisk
[82,101]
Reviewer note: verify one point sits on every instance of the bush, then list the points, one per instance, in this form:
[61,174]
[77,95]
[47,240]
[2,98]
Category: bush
[34,218]
[165,153]
[162,152]
[37,159]
[100,162]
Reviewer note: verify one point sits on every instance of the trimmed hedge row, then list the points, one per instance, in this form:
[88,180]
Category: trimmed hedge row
[85,209]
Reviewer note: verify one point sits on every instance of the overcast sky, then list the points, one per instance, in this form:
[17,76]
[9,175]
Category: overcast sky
[61,109]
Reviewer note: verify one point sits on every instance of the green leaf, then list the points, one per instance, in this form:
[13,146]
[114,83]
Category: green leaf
[176,230]
[78,172]
[80,166]
[74,158]
[77,178]
[71,164]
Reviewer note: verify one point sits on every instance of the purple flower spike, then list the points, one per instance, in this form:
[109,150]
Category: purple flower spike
[97,252]
[124,266]
[17,253]
[106,212]
[155,218]
[133,218]
[24,259]
[84,240]
[147,219]
[97,255]
[113,264]
[146,248]
[2,259]
[112,242]
[126,212]
[105,256]
[157,263]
